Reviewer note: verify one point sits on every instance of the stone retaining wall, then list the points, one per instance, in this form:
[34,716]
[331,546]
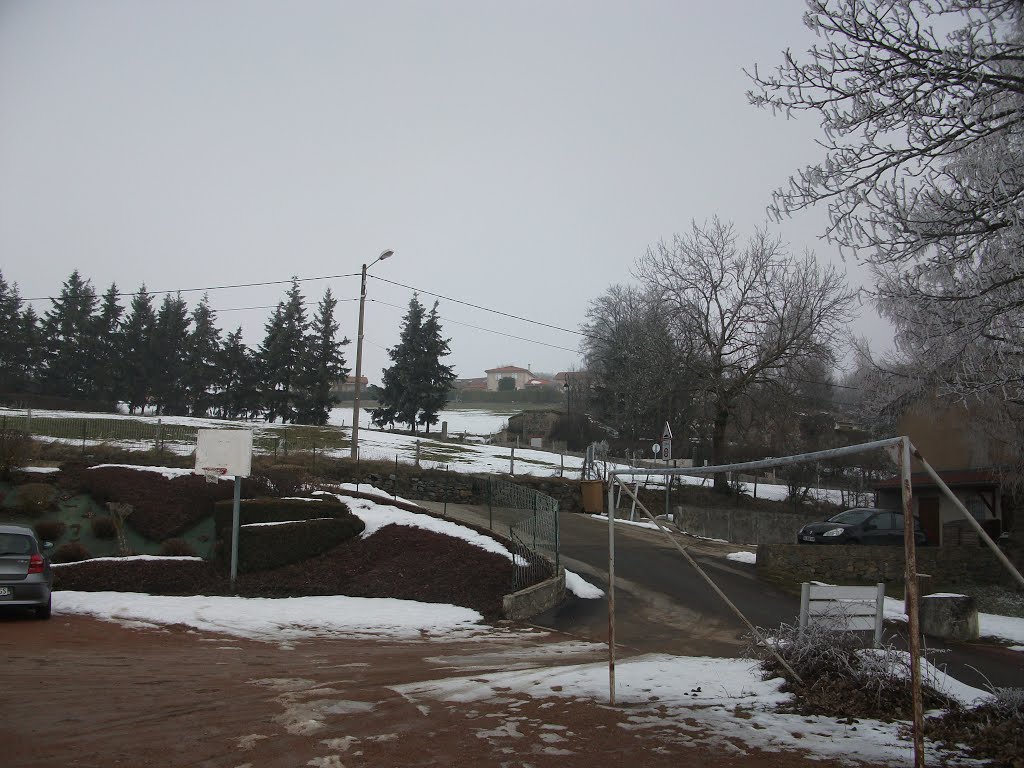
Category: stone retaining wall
[743,526]
[851,564]
[532,601]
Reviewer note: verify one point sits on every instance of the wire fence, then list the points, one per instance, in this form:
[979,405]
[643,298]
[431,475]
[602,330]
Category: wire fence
[532,519]
[158,435]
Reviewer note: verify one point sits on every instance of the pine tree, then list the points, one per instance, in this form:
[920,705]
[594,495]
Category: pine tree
[202,358]
[281,355]
[437,378]
[139,363]
[170,336]
[11,341]
[323,365]
[237,382]
[106,363]
[403,388]
[70,341]
[30,361]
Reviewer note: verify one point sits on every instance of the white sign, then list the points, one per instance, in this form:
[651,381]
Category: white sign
[656,449]
[666,433]
[227,450]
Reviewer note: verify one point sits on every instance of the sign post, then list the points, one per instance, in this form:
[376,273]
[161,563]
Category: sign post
[223,452]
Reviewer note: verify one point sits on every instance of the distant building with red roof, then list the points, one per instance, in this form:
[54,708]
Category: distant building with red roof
[521,376]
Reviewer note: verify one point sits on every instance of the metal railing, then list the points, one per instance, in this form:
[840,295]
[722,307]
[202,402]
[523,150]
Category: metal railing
[532,520]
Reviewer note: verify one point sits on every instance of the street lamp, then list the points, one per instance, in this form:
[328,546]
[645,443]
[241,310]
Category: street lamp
[359,354]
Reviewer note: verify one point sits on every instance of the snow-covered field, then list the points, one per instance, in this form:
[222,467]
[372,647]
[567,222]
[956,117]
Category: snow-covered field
[476,422]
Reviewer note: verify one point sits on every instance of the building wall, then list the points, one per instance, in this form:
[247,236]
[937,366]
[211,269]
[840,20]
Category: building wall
[948,513]
[946,437]
[494,377]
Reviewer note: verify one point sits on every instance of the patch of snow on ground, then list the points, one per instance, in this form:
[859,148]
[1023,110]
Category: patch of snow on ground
[126,558]
[169,472]
[276,619]
[743,557]
[40,470]
[376,516]
[581,587]
[724,698]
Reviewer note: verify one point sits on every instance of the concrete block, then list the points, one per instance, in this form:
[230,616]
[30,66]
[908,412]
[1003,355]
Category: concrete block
[951,617]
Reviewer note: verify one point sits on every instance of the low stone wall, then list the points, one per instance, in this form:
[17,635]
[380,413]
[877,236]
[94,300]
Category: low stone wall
[529,602]
[852,564]
[743,526]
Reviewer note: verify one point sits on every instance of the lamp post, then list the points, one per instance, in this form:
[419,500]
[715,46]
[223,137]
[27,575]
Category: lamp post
[359,354]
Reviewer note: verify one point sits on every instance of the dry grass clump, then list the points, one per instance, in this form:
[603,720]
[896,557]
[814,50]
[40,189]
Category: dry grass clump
[993,731]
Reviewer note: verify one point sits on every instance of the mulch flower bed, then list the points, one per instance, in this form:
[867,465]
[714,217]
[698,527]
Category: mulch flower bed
[397,561]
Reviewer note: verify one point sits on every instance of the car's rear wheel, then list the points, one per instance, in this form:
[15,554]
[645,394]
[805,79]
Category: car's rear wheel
[43,611]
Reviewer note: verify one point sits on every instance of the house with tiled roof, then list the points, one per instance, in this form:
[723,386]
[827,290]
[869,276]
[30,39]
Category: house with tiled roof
[495,375]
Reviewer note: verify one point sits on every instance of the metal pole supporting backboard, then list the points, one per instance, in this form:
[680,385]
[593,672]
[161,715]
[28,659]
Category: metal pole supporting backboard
[235,525]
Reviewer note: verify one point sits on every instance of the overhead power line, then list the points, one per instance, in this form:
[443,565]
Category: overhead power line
[220,287]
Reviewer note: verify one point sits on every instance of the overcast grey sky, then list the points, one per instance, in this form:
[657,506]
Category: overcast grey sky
[515,155]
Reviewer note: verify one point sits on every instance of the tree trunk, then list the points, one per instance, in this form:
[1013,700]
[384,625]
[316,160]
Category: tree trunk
[718,446]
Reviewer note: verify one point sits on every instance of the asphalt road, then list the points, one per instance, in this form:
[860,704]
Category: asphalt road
[664,605]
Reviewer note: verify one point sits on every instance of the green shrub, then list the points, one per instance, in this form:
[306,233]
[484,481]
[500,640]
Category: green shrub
[104,528]
[72,552]
[176,548]
[49,530]
[35,498]
[311,527]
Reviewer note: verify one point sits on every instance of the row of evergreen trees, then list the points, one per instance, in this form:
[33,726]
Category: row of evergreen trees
[89,347]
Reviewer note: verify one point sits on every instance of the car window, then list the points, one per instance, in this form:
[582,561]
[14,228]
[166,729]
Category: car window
[15,544]
[852,516]
[887,521]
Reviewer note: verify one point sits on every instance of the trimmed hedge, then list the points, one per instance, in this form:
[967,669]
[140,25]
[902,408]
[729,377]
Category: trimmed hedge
[300,535]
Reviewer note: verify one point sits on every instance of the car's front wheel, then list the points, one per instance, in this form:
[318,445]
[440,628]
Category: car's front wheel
[44,611]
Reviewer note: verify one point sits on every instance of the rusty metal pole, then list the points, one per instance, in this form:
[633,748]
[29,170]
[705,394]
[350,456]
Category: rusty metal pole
[911,603]
[611,590]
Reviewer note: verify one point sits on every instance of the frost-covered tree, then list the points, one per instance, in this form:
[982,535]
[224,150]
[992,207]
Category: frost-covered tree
[922,108]
[742,316]
[637,379]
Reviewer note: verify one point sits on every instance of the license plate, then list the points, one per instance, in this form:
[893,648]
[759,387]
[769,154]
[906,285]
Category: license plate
[806,538]
[6,593]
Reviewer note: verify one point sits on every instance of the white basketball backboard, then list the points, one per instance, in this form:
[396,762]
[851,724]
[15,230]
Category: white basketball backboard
[225,451]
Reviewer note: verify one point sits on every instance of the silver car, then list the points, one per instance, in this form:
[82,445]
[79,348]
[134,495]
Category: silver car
[25,575]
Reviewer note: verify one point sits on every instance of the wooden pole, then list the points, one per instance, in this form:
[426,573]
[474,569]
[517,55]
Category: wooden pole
[911,603]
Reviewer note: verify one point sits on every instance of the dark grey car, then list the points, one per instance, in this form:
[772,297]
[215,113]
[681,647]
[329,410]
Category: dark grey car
[25,575]
[861,526]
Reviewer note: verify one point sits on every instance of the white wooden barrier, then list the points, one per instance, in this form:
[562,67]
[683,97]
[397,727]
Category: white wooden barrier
[843,608]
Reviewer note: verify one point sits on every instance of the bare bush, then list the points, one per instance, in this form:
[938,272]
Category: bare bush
[104,528]
[176,548]
[841,676]
[15,450]
[36,498]
[72,552]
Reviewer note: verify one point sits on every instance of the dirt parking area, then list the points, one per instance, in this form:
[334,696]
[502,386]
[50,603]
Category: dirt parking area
[82,692]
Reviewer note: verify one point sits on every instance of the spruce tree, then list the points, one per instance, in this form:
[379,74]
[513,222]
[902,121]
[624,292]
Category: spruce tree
[437,377]
[281,355]
[238,381]
[11,341]
[139,364]
[202,352]
[30,361]
[70,341]
[170,336]
[323,365]
[106,362]
[403,388]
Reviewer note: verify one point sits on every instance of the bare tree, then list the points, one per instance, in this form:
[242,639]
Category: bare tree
[922,106]
[744,316]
